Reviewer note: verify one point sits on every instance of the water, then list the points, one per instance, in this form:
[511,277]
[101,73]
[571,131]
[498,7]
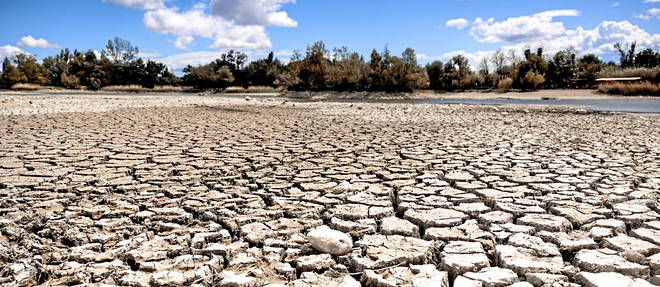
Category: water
[631,105]
[628,105]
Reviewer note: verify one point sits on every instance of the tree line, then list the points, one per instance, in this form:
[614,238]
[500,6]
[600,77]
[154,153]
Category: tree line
[321,69]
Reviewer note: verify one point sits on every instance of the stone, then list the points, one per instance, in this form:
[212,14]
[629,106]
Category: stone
[493,277]
[327,240]
[609,279]
[607,261]
[314,262]
[623,242]
[438,217]
[389,250]
[544,279]
[546,222]
[415,275]
[397,226]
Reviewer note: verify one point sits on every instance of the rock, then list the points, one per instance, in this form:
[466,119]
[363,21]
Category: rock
[327,279]
[526,253]
[385,251]
[607,261]
[461,281]
[499,217]
[232,279]
[314,262]
[650,235]
[330,241]
[493,277]
[544,279]
[415,275]
[397,226]
[609,279]
[546,222]
[459,257]
[438,217]
[623,242]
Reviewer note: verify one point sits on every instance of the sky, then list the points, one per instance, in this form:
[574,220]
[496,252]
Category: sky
[182,32]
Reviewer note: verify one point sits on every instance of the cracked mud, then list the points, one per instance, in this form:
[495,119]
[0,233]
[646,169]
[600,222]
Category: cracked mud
[199,191]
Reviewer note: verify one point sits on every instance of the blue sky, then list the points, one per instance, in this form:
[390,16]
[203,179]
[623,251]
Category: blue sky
[180,32]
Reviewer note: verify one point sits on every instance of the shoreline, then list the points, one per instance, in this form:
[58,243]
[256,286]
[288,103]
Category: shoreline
[331,95]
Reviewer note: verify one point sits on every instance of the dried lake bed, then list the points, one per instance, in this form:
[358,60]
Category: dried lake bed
[153,190]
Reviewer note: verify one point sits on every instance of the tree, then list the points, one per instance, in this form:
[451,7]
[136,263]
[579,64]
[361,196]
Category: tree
[34,72]
[11,75]
[647,59]
[120,51]
[562,69]
[498,60]
[208,77]
[263,72]
[436,73]
[626,58]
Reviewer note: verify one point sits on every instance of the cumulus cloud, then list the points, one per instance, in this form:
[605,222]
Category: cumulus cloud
[140,4]
[255,12]
[195,22]
[233,24]
[31,42]
[459,23]
[552,36]
[651,1]
[8,51]
[521,29]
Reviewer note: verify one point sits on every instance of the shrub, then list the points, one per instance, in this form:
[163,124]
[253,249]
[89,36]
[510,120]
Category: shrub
[504,85]
[644,88]
[533,80]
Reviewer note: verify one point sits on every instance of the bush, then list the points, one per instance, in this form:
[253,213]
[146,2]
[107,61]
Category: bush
[644,88]
[533,80]
[504,85]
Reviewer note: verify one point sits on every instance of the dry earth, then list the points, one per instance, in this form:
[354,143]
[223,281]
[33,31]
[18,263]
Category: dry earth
[181,191]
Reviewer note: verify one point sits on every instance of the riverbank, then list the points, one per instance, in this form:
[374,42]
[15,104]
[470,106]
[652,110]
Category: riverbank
[426,95]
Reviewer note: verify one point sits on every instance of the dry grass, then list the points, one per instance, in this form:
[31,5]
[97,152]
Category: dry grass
[26,87]
[124,89]
[167,89]
[644,88]
[253,89]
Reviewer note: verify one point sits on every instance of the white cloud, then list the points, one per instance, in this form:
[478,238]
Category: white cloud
[140,4]
[31,42]
[177,62]
[254,12]
[535,27]
[182,42]
[615,4]
[651,1]
[8,51]
[194,22]
[599,40]
[459,23]
[230,24]
[649,14]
